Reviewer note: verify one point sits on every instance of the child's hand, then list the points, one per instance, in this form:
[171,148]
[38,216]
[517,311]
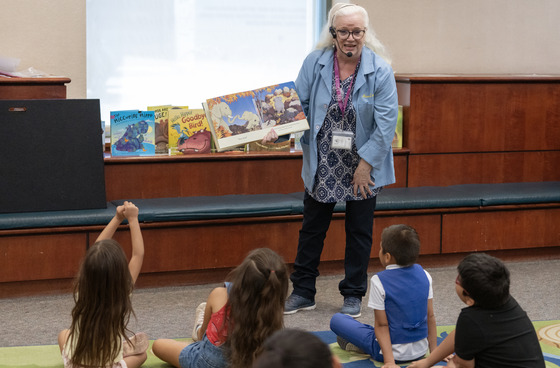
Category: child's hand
[391,365]
[130,211]
[120,213]
[449,358]
[450,361]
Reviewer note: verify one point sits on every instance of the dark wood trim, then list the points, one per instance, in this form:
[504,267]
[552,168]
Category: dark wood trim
[33,88]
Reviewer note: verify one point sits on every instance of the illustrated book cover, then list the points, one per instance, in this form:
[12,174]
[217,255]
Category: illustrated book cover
[189,132]
[244,117]
[132,133]
[161,116]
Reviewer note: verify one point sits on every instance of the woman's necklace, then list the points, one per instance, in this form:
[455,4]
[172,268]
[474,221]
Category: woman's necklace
[342,104]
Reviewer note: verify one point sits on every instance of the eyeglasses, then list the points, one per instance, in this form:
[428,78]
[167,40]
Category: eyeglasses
[344,34]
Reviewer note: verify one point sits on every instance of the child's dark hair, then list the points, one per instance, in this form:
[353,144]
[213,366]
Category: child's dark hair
[255,304]
[294,348]
[402,242]
[103,307]
[485,279]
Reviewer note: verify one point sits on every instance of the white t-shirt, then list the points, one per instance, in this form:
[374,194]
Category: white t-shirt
[376,300]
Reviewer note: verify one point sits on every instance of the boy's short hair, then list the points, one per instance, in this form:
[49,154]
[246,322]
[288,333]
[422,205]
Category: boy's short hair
[402,242]
[485,279]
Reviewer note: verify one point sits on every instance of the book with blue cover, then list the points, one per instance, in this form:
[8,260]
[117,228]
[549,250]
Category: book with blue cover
[132,133]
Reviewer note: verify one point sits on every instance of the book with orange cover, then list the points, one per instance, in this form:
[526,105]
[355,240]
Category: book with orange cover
[244,117]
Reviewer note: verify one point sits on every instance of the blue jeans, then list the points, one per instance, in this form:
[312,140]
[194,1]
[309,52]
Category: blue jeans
[359,334]
[203,354]
[316,221]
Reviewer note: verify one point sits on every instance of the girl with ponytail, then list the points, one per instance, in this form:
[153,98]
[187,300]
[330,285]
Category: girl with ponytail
[238,317]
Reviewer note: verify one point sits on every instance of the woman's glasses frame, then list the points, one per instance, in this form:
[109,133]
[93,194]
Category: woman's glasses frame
[344,33]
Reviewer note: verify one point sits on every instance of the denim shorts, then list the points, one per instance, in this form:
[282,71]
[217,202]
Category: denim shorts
[203,354]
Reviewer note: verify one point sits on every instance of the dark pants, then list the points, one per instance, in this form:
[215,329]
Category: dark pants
[316,220]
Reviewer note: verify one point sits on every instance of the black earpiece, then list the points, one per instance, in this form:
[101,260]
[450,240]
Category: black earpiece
[332,31]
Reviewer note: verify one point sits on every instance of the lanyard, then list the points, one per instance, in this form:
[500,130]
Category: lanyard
[337,85]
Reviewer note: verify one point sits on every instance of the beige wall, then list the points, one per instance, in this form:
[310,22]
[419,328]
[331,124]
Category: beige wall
[469,36]
[423,36]
[48,35]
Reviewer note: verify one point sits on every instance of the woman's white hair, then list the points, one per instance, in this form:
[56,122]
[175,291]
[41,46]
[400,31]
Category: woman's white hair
[370,41]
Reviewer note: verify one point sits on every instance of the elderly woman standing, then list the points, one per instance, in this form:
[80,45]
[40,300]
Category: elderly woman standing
[349,95]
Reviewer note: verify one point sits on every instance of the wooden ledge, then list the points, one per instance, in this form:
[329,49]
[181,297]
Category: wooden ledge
[477,78]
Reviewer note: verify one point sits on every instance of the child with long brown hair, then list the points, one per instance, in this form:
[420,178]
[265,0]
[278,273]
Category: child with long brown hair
[237,317]
[98,334]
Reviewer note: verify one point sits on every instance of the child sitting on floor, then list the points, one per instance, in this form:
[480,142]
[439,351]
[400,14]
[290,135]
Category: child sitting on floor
[237,318]
[402,299]
[493,330]
[97,336]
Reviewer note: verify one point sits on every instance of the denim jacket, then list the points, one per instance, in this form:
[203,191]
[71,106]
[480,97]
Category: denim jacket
[376,103]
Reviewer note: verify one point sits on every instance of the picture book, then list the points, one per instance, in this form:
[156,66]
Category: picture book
[132,133]
[398,139]
[245,117]
[161,121]
[189,132]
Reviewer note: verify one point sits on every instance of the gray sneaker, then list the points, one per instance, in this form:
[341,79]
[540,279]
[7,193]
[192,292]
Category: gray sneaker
[348,346]
[352,306]
[296,303]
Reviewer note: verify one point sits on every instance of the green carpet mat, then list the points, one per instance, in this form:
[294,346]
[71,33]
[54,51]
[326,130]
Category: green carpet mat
[48,356]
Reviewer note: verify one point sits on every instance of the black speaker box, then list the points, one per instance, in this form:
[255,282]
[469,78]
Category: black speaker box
[51,155]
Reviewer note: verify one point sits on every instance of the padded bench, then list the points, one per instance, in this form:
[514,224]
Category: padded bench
[235,206]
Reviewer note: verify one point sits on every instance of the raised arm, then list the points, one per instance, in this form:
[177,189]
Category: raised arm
[112,226]
[130,211]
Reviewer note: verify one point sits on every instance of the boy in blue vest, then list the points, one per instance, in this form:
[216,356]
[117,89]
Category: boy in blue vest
[401,297]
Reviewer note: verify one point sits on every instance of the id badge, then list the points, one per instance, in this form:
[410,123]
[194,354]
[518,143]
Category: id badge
[342,139]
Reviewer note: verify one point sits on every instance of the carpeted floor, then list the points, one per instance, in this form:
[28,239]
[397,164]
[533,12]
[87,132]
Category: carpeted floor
[29,325]
[48,356]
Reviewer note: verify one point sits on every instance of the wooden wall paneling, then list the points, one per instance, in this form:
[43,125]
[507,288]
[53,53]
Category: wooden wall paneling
[219,174]
[475,117]
[428,228]
[212,244]
[185,176]
[41,257]
[400,162]
[472,168]
[489,230]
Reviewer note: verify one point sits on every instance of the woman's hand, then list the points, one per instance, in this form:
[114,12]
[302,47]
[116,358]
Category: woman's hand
[270,137]
[362,179]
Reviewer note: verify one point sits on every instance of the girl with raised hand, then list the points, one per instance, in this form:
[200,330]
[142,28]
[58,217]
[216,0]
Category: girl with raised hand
[98,334]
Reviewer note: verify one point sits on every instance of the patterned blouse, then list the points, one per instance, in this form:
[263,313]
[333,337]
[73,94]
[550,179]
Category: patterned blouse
[336,167]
